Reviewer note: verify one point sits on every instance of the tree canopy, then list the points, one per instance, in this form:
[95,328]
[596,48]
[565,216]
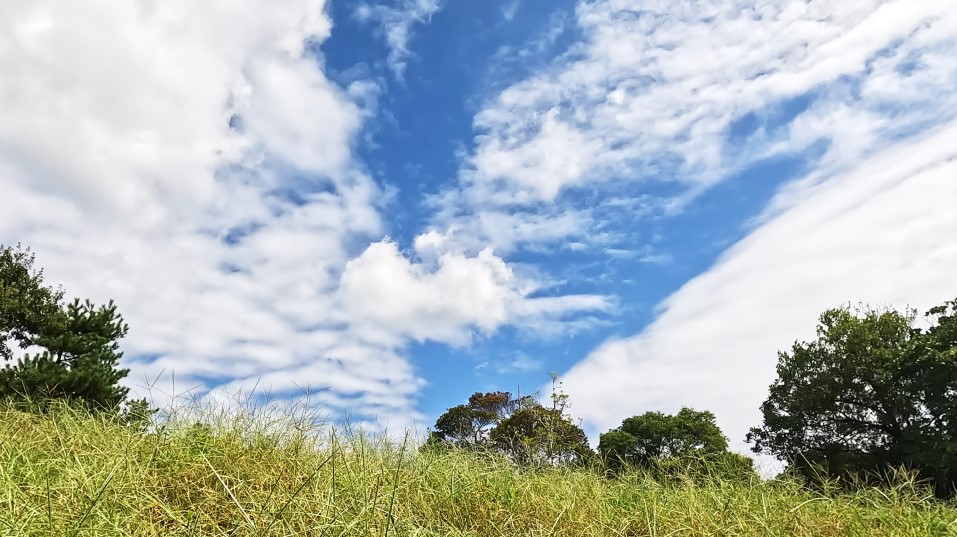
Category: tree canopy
[28,308]
[651,436]
[871,392]
[71,351]
[535,434]
[468,425]
[520,428]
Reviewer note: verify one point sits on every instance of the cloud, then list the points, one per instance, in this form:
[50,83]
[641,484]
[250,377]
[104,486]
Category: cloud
[510,9]
[518,362]
[194,163]
[396,24]
[675,97]
[880,233]
[150,149]
[448,299]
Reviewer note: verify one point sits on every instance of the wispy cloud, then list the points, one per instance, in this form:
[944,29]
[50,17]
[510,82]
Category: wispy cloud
[397,23]
[880,234]
[510,9]
[688,93]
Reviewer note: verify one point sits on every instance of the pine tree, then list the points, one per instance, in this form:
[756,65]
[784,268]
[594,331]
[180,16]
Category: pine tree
[80,361]
[78,357]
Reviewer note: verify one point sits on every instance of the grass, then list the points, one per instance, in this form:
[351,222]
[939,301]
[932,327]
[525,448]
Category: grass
[70,474]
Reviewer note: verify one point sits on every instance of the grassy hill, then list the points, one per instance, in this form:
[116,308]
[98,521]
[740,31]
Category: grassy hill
[67,473]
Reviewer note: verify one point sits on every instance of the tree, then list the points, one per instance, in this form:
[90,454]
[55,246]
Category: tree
[535,435]
[27,307]
[468,425]
[871,393]
[934,359]
[521,428]
[79,351]
[652,436]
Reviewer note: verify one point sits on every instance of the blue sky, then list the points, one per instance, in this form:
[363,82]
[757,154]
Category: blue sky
[403,202]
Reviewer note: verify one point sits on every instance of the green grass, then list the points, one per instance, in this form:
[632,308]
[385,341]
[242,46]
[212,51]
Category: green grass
[68,474]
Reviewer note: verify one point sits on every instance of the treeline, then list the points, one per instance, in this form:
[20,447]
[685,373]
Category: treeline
[530,434]
[874,392]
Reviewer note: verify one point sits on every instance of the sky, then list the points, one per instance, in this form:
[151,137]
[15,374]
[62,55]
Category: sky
[391,205]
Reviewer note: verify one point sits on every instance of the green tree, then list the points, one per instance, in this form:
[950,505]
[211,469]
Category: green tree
[28,308]
[872,392]
[519,427]
[79,352]
[537,435]
[934,366]
[468,425]
[652,436]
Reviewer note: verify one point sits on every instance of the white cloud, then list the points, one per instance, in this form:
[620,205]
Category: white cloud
[505,230]
[383,288]
[124,176]
[397,25]
[448,299]
[510,9]
[193,162]
[654,91]
[881,234]
[288,127]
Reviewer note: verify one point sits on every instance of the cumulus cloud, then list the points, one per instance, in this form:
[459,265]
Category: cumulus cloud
[449,299]
[879,234]
[396,24]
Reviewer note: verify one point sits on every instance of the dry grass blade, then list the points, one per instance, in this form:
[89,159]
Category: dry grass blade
[230,494]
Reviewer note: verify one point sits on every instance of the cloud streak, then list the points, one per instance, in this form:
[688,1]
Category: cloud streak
[668,99]
[680,96]
[396,24]
[880,234]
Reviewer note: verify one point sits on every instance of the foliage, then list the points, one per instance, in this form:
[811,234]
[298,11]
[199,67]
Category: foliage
[79,354]
[71,473]
[468,425]
[521,428]
[871,393]
[652,436]
[536,435]
[27,307]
